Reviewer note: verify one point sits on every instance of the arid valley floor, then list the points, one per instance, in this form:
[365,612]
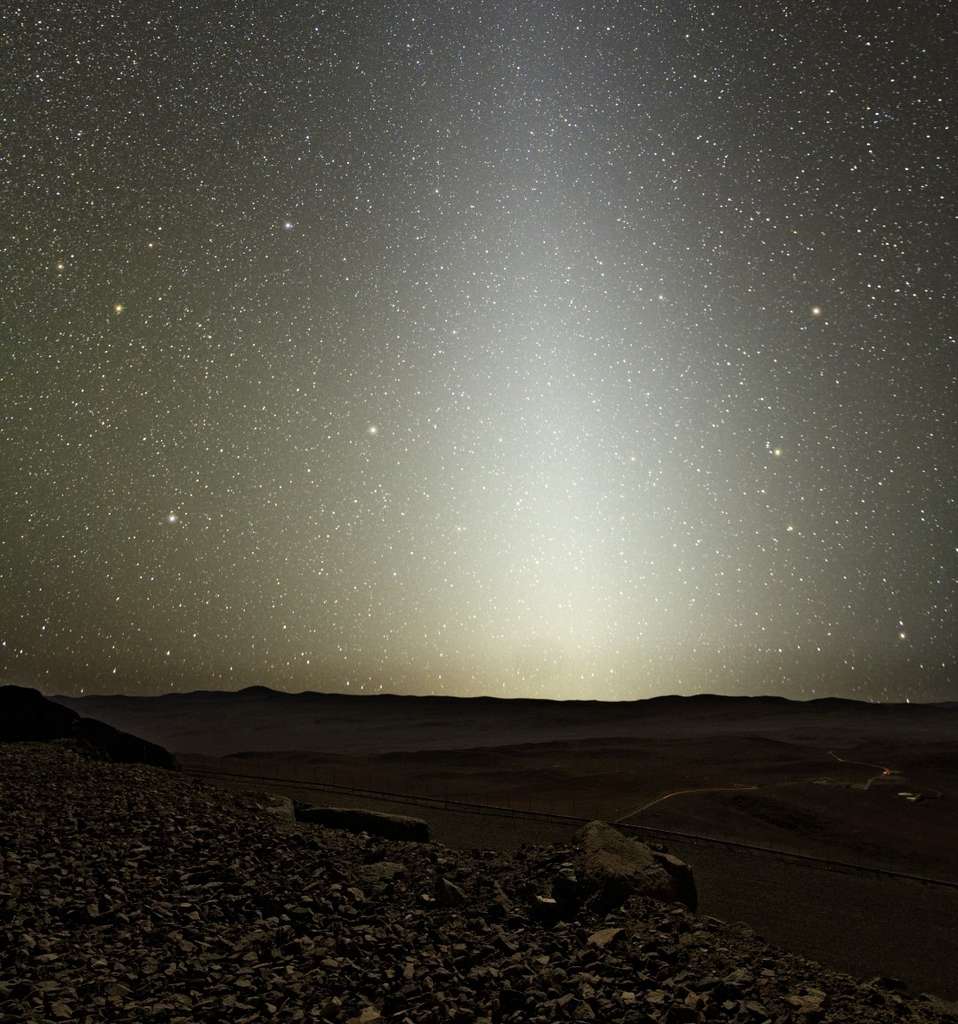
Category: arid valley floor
[870,785]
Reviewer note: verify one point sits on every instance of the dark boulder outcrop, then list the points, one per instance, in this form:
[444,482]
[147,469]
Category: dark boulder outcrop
[27,716]
[374,823]
[612,868]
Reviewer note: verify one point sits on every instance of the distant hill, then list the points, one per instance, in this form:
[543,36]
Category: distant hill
[261,719]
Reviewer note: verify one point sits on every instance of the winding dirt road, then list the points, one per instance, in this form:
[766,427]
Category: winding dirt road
[679,792]
[884,770]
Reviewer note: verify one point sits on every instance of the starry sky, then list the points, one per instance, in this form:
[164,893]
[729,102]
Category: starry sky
[561,349]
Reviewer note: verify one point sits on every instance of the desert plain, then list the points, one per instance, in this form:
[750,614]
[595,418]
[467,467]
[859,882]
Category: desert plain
[851,796]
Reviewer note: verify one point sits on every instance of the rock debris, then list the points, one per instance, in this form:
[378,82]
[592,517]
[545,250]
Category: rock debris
[132,894]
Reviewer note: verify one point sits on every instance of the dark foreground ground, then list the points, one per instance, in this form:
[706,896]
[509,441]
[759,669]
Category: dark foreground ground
[823,779]
[130,893]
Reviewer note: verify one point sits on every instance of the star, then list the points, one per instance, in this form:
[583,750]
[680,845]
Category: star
[577,335]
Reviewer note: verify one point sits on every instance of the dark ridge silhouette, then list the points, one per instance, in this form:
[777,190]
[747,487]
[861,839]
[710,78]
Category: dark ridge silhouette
[263,692]
[259,718]
[698,700]
[27,716]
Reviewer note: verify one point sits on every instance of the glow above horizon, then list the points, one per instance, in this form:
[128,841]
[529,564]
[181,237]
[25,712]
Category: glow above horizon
[594,352]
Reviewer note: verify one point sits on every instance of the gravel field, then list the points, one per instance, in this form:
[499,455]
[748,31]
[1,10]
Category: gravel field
[134,894]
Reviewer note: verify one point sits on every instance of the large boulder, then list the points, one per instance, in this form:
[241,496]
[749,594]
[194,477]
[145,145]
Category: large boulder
[612,867]
[375,823]
[27,716]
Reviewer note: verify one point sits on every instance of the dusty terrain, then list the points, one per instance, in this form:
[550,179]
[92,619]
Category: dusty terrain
[131,893]
[822,778]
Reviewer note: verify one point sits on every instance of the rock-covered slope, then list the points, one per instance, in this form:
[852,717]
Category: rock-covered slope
[132,894]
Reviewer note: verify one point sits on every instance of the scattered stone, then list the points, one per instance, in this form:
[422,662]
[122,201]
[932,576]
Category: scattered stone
[381,874]
[605,937]
[808,1003]
[449,894]
[367,1016]
[888,984]
[546,910]
[132,894]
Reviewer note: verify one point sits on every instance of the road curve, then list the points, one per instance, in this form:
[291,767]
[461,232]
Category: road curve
[884,770]
[679,792]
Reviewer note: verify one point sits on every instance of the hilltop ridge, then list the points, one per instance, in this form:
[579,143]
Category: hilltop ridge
[262,719]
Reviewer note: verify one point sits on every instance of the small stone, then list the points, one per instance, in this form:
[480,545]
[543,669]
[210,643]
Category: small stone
[449,894]
[546,910]
[366,1016]
[683,1013]
[809,1003]
[605,937]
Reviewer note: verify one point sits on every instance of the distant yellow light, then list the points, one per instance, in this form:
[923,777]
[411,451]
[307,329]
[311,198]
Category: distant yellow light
[118,308]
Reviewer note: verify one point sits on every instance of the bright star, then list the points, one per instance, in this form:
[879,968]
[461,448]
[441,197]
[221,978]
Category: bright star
[118,308]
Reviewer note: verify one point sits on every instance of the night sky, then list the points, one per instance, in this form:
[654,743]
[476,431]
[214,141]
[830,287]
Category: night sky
[595,350]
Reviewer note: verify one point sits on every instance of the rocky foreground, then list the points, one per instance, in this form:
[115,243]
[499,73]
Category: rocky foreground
[128,893]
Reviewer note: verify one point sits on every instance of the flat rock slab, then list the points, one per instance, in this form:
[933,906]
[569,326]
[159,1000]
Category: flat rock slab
[374,823]
[279,806]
